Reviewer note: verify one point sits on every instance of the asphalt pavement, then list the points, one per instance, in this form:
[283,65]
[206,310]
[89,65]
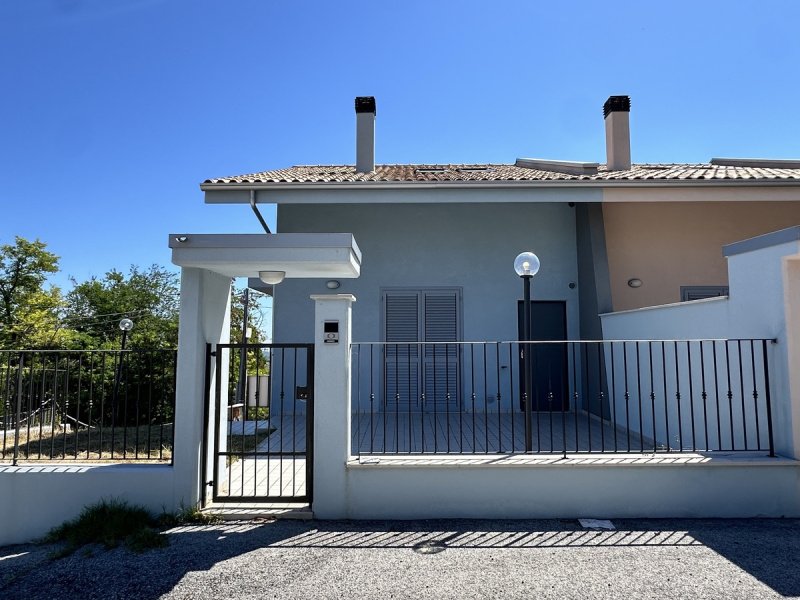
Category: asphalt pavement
[755,558]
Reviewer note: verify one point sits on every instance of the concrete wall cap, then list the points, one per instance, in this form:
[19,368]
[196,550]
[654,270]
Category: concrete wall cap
[775,238]
[346,297]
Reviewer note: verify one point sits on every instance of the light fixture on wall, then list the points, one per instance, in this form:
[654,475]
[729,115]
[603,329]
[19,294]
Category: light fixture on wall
[272,277]
[634,282]
[332,284]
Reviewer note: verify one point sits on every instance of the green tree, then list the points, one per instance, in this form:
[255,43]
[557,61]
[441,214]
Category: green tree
[149,297]
[28,311]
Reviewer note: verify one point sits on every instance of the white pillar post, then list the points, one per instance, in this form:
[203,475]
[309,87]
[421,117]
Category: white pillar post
[331,406]
[204,319]
[791,294]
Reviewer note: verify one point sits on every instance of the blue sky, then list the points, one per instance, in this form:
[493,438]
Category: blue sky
[114,111]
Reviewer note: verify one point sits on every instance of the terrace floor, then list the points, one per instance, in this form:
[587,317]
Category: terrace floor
[490,433]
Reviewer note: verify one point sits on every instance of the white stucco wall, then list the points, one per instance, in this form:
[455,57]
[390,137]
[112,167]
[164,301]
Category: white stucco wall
[562,490]
[760,305]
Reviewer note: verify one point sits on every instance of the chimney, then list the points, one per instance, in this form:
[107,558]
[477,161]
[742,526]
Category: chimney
[365,134]
[616,111]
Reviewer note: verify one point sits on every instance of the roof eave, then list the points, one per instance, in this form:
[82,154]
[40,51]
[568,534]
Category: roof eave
[557,183]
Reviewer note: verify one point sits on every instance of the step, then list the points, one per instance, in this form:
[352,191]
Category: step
[245,511]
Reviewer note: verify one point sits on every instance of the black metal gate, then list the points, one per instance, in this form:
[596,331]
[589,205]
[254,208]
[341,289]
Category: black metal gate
[259,422]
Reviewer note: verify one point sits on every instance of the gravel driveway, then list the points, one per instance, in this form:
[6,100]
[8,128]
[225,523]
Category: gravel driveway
[427,559]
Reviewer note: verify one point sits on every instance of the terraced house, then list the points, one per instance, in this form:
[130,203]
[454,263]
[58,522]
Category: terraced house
[663,298]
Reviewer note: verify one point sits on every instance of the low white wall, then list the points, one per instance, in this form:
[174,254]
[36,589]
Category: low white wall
[759,489]
[34,499]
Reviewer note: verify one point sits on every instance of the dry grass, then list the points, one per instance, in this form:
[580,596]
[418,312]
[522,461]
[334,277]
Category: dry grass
[140,444]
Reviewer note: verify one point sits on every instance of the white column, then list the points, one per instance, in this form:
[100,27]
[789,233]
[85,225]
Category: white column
[331,406]
[204,318]
[791,294]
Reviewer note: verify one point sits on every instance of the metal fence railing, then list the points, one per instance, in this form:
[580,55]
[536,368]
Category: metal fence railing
[647,396]
[87,405]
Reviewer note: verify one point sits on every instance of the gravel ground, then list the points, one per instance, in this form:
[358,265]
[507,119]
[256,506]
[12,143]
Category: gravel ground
[427,559]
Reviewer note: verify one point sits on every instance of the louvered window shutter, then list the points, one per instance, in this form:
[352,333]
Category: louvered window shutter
[441,359]
[401,363]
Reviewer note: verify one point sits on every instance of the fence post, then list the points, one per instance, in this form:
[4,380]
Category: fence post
[332,379]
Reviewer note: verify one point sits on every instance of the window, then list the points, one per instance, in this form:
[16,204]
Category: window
[698,292]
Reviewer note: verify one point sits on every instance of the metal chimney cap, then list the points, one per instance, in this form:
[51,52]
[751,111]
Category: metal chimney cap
[365,104]
[616,104]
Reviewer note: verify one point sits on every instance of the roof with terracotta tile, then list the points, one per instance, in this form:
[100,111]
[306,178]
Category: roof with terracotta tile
[347,174]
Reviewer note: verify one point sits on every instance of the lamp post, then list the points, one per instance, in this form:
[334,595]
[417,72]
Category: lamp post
[527,265]
[125,325]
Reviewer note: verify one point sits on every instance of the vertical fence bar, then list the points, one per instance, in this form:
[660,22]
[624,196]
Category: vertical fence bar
[447,393]
[575,394]
[408,400]
[767,398]
[704,396]
[691,393]
[678,399]
[40,410]
[583,353]
[282,419]
[294,426]
[66,410]
[716,395]
[372,350]
[396,403]
[217,411]
[472,391]
[601,395]
[309,422]
[627,394]
[53,406]
[20,368]
[755,393]
[6,406]
[206,396]
[666,395]
[730,391]
[499,399]
[485,404]
[742,393]
[652,396]
[614,394]
[28,405]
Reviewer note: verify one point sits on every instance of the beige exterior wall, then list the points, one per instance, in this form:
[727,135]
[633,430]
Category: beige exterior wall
[670,244]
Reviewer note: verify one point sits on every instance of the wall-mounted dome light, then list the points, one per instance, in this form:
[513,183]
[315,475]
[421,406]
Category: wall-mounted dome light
[272,277]
[634,283]
[332,284]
